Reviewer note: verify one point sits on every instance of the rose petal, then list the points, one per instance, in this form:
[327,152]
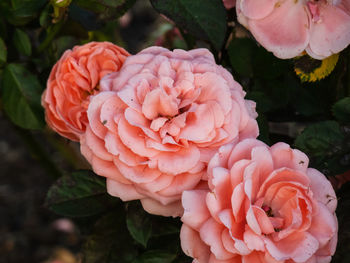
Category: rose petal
[184,160]
[284,156]
[192,245]
[93,113]
[257,9]
[210,233]
[324,225]
[299,247]
[108,169]
[243,150]
[130,136]
[158,103]
[196,129]
[253,241]
[180,183]
[322,189]
[331,35]
[195,210]
[126,192]
[154,207]
[96,145]
[283,40]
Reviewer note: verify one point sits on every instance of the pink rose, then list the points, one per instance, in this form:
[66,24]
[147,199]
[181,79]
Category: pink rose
[287,28]
[159,120]
[264,205]
[72,80]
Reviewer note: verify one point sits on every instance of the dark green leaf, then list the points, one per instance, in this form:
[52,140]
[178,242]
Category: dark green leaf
[327,146]
[21,97]
[320,137]
[155,256]
[110,241]
[165,226]
[3,52]
[80,194]
[205,19]
[241,52]
[139,223]
[263,101]
[341,110]
[313,99]
[24,11]
[308,103]
[273,94]
[266,65]
[86,18]
[22,42]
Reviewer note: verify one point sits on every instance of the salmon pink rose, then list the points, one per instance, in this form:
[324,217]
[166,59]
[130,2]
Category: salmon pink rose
[289,27]
[264,205]
[73,80]
[158,121]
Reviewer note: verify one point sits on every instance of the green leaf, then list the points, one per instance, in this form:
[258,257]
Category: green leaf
[87,18]
[318,138]
[81,194]
[327,146]
[23,11]
[266,65]
[241,52]
[205,19]
[110,241]
[165,226]
[22,42]
[139,223]
[21,97]
[3,52]
[264,102]
[155,256]
[341,110]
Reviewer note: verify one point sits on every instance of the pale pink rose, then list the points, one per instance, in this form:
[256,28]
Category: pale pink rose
[289,27]
[264,205]
[72,81]
[158,121]
[229,3]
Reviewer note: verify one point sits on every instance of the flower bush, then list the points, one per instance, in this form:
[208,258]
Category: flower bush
[264,205]
[195,129]
[156,123]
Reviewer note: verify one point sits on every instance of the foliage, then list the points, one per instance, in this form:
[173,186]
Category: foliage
[80,194]
[314,117]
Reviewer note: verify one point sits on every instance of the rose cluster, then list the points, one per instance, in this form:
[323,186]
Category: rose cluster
[173,130]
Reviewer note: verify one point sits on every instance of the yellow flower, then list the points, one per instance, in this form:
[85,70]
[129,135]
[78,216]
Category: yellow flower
[311,70]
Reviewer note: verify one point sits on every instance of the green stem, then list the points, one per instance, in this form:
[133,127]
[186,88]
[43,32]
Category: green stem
[50,36]
[37,150]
